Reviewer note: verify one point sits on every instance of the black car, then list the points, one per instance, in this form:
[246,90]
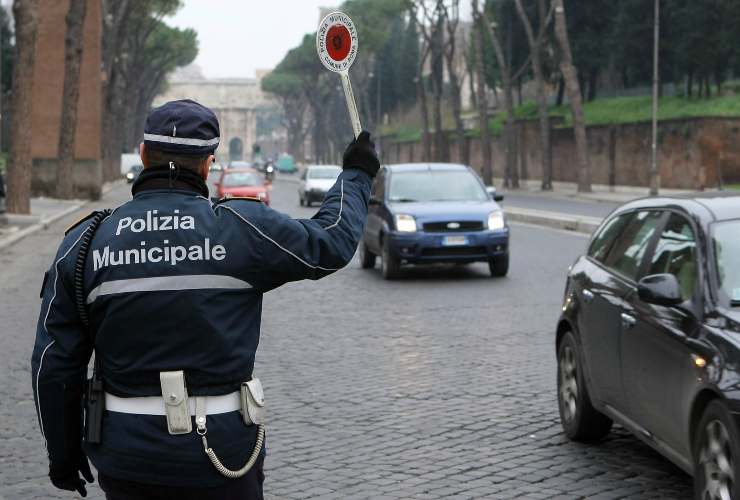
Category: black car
[133,173]
[650,335]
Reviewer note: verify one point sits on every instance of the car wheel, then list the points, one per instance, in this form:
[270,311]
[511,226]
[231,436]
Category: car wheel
[300,200]
[390,266]
[580,421]
[499,266]
[308,201]
[367,258]
[716,454]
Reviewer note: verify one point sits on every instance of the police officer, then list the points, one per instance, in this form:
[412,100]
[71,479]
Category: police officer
[168,294]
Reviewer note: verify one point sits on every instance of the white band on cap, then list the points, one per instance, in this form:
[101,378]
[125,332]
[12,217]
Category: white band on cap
[181,140]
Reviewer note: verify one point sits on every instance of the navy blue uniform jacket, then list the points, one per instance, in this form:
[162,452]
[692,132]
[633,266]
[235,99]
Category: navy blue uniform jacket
[175,282]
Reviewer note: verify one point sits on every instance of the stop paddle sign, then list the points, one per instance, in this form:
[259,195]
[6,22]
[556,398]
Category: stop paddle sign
[336,43]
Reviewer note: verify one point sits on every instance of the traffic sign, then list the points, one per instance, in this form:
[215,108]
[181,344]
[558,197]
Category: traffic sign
[336,43]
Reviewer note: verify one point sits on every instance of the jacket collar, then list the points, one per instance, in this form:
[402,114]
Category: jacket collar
[164,177]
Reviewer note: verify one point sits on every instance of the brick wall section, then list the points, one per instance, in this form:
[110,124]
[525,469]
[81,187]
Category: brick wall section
[47,98]
[690,152]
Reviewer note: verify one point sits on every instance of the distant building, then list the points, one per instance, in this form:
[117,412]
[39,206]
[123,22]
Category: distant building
[236,102]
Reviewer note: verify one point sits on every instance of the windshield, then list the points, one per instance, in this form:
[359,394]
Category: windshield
[440,185]
[726,237]
[241,179]
[324,173]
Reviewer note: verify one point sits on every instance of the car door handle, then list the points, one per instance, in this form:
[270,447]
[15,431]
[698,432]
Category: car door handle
[628,321]
[588,296]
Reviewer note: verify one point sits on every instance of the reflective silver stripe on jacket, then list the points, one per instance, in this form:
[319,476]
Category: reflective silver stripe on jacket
[181,140]
[162,283]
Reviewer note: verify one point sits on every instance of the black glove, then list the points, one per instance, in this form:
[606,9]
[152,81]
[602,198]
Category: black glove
[361,154]
[65,476]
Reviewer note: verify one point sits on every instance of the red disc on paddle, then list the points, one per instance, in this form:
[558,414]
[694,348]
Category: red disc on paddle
[338,42]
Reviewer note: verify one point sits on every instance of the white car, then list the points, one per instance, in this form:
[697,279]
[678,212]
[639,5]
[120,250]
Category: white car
[315,182]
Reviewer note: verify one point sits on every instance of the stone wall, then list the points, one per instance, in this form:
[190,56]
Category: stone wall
[690,152]
[48,82]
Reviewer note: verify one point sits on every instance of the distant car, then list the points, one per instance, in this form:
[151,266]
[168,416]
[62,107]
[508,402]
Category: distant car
[242,182]
[215,167]
[285,164]
[316,180]
[423,213]
[649,336]
[133,173]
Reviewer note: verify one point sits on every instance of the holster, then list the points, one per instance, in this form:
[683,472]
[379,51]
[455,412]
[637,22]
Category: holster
[176,402]
[94,407]
[253,402]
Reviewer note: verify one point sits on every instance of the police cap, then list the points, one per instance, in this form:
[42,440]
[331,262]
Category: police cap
[182,127]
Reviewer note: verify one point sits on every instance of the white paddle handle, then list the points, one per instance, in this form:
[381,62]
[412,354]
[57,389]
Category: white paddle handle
[354,116]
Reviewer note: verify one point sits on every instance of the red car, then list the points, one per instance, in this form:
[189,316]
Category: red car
[242,182]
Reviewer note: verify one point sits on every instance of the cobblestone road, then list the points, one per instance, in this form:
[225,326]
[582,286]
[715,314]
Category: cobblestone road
[441,385]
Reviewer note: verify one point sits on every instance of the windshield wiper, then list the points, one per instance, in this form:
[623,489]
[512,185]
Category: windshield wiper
[402,200]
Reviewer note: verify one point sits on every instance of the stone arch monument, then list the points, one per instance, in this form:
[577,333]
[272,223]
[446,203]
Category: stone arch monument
[236,102]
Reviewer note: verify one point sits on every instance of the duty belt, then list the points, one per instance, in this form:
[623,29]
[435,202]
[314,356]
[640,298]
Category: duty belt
[155,405]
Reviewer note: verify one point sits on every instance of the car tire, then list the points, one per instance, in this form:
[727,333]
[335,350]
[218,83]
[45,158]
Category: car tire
[367,258]
[580,420]
[390,266]
[300,200]
[716,454]
[499,266]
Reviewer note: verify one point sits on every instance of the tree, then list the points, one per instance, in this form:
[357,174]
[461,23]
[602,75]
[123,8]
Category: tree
[286,88]
[20,165]
[451,17]
[574,95]
[510,176]
[70,97]
[536,40]
[485,131]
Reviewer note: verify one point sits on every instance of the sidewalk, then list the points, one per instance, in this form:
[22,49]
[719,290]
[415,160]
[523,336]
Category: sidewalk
[44,211]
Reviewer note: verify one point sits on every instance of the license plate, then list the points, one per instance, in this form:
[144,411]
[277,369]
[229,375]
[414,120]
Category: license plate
[452,241]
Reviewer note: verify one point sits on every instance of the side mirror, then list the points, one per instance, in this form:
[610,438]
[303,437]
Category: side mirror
[493,194]
[374,201]
[661,289]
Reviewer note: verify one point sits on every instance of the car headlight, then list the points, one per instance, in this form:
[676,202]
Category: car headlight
[262,195]
[496,220]
[129,176]
[405,223]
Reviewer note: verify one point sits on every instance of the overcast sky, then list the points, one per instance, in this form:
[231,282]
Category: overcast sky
[239,36]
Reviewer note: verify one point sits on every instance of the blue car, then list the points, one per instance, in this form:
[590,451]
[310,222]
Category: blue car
[424,213]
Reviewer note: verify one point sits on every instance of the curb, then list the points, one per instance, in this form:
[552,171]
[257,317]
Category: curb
[42,224]
[567,222]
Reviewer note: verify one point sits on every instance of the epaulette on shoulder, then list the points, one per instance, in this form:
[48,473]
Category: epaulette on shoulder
[80,221]
[243,198]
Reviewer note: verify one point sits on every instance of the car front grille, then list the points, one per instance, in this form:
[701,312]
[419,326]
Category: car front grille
[452,251]
[458,226]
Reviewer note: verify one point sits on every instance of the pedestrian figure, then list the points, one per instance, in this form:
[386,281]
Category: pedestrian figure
[166,290]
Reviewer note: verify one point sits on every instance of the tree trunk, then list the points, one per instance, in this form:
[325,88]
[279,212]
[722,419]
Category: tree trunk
[73,47]
[535,46]
[424,109]
[574,94]
[20,164]
[485,131]
[509,133]
[561,91]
